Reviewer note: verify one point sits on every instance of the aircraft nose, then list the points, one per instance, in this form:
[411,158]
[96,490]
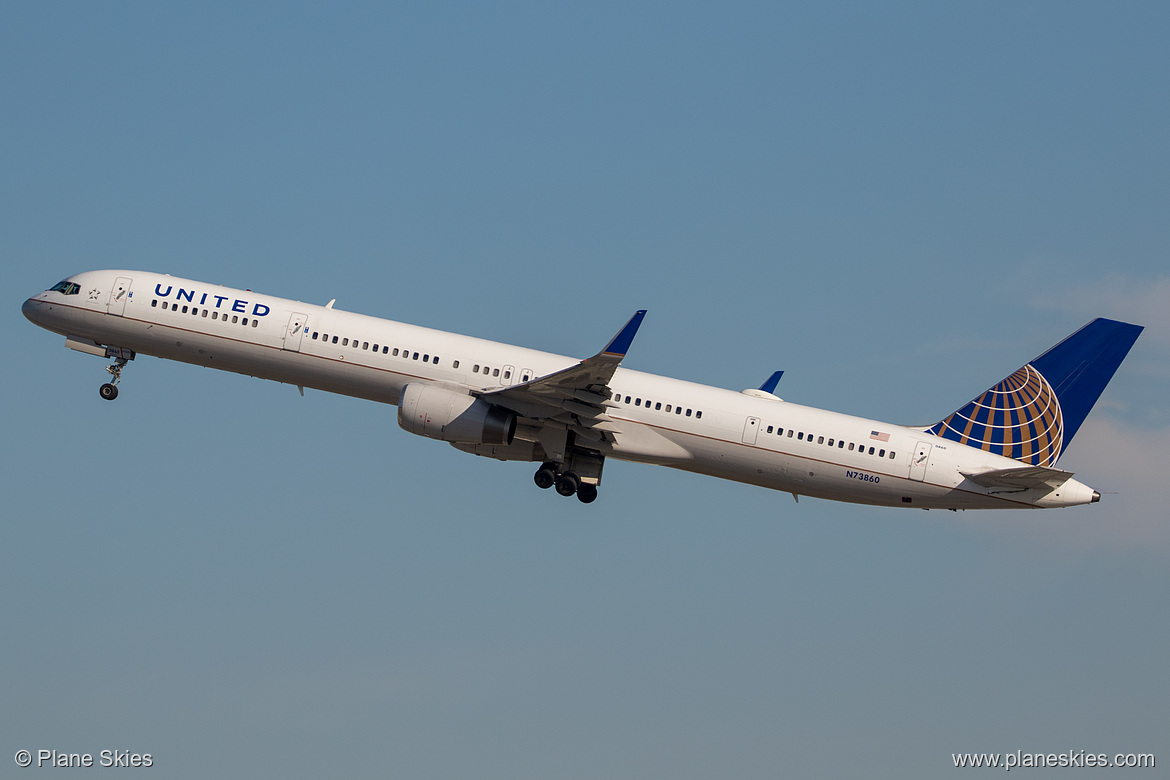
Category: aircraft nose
[31,309]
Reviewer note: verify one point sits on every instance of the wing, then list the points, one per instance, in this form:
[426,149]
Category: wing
[575,398]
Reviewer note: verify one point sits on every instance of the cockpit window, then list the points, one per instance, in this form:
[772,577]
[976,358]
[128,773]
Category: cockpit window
[65,288]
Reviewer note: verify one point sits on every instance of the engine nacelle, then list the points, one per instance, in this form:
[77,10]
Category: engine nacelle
[449,415]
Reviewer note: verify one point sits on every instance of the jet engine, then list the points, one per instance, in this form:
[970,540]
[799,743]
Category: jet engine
[453,416]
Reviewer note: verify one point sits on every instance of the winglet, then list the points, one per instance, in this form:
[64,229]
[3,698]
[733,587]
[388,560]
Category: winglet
[770,385]
[620,344]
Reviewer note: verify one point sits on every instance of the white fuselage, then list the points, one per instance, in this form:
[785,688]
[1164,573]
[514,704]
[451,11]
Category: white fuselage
[707,430]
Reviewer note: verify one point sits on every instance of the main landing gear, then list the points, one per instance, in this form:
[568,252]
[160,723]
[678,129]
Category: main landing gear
[567,483]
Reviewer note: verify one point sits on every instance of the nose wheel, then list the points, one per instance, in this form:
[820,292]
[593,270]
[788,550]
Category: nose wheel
[109,391]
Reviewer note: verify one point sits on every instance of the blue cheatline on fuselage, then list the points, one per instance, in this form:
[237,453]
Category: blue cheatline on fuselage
[1032,415]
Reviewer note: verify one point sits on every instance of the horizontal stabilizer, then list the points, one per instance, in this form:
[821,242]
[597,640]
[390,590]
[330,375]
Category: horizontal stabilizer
[1021,479]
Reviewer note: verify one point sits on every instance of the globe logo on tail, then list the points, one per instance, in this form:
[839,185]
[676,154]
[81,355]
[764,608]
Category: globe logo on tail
[1018,418]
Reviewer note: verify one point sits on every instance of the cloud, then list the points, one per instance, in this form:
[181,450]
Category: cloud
[1126,464]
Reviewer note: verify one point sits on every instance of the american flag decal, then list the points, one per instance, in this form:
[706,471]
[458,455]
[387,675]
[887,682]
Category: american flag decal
[879,436]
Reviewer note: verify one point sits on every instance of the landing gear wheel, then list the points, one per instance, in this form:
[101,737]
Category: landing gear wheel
[567,483]
[545,477]
[109,390]
[587,493]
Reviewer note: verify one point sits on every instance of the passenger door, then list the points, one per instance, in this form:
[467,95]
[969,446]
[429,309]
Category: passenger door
[118,296]
[294,332]
[920,461]
[750,429]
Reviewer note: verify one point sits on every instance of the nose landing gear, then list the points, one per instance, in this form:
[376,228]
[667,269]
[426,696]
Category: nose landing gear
[121,356]
[109,390]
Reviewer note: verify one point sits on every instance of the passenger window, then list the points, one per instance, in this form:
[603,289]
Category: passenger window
[355,343]
[426,358]
[184,309]
[255,323]
[851,446]
[881,453]
[375,347]
[165,306]
[385,350]
[688,412]
[800,435]
[235,319]
[214,314]
[830,442]
[637,402]
[790,433]
[455,364]
[668,408]
[658,406]
[205,314]
[345,342]
[395,353]
[891,454]
[698,415]
[415,356]
[522,379]
[435,360]
[841,444]
[315,335]
[154,304]
[366,345]
[245,322]
[820,440]
[495,372]
[871,450]
[627,399]
[678,410]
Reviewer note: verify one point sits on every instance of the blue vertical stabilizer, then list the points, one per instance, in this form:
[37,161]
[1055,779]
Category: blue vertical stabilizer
[1033,414]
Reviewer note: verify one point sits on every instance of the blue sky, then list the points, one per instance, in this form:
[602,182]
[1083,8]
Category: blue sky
[899,205]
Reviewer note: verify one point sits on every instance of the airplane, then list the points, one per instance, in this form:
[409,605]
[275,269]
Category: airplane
[999,451]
